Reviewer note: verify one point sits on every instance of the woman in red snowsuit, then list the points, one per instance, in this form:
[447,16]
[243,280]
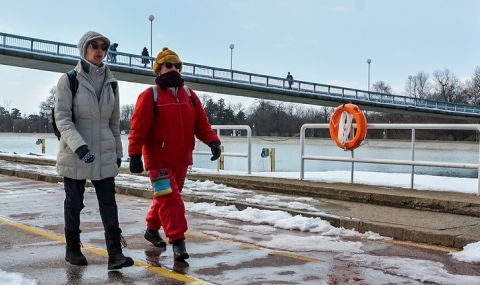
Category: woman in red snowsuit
[166,119]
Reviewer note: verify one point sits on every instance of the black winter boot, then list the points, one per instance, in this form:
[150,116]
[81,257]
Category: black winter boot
[155,238]
[179,250]
[73,253]
[116,259]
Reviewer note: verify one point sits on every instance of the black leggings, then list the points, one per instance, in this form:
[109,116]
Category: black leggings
[73,205]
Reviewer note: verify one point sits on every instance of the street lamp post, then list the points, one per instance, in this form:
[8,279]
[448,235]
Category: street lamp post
[410,85]
[231,59]
[369,61]
[151,18]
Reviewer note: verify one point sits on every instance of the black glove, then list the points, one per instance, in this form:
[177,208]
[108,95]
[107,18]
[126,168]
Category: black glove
[216,151]
[136,164]
[84,154]
[119,162]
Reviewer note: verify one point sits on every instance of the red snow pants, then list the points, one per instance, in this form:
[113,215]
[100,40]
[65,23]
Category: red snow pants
[167,207]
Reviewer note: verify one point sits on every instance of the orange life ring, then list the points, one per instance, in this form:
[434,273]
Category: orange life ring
[342,130]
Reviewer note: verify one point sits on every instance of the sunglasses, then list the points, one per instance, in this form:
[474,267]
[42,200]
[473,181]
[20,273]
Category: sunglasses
[94,45]
[170,65]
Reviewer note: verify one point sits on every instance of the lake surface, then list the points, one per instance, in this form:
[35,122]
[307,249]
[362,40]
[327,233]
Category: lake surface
[288,153]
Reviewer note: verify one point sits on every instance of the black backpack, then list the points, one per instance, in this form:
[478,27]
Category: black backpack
[73,83]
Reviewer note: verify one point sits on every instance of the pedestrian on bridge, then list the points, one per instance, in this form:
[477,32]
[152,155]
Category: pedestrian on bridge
[88,119]
[145,59]
[166,119]
[112,53]
[289,80]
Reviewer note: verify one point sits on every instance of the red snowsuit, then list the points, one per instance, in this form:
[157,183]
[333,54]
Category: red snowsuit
[166,138]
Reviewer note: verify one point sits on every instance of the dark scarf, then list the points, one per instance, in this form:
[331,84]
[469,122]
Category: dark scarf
[169,79]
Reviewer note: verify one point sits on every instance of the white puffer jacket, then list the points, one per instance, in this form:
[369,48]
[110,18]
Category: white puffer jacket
[97,125]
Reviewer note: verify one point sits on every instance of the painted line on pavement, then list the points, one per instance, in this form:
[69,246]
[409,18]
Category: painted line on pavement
[155,269]
[438,248]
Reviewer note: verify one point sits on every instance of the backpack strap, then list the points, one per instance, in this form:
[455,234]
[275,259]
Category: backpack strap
[155,94]
[187,89]
[73,82]
[155,97]
[114,87]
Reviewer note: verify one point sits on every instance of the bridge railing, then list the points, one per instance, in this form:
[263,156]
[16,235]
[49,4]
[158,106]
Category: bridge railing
[412,161]
[247,155]
[240,77]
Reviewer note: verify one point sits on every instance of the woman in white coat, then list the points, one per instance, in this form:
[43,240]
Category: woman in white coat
[90,146]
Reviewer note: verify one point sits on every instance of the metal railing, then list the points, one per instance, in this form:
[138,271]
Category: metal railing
[247,155]
[9,41]
[412,162]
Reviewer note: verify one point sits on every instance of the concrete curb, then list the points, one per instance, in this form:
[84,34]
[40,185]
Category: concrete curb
[444,202]
[395,231]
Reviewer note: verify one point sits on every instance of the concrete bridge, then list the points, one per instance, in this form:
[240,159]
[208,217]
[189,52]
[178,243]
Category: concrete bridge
[53,56]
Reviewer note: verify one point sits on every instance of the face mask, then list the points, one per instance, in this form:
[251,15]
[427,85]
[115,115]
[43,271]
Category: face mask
[169,79]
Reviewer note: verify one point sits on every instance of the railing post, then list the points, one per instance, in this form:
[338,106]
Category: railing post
[249,141]
[267,81]
[478,172]
[412,173]
[58,49]
[353,167]
[302,151]
[31,45]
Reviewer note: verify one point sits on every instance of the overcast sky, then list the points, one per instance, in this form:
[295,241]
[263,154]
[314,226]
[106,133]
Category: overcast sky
[324,41]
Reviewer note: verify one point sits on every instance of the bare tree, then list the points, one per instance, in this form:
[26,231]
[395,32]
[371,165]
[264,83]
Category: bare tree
[475,86]
[47,105]
[126,112]
[382,87]
[418,85]
[447,86]
[422,86]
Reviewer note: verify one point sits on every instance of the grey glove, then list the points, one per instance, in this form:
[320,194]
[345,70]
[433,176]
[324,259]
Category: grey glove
[84,154]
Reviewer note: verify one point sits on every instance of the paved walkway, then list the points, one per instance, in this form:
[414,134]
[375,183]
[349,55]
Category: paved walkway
[437,218]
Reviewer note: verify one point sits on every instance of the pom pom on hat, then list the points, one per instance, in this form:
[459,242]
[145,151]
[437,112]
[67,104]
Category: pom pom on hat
[165,55]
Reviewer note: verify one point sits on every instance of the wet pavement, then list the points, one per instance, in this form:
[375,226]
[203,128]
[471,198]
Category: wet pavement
[223,251]
[438,218]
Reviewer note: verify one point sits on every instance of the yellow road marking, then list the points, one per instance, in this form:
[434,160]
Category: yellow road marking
[155,269]
[423,245]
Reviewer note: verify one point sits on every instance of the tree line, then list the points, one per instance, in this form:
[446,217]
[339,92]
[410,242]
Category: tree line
[272,118]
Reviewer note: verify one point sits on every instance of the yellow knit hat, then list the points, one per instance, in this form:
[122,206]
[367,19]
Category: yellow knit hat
[166,55]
